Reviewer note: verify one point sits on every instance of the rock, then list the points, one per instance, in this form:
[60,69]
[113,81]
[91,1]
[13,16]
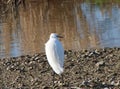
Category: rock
[115,84]
[106,88]
[101,63]
[85,83]
[8,63]
[76,88]
[46,87]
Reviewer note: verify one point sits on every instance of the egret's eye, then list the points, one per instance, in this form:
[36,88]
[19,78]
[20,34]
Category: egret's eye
[59,36]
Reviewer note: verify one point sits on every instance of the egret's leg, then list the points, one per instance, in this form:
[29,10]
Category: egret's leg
[62,79]
[53,74]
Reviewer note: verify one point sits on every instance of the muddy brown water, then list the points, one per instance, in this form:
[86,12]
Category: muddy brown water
[83,25]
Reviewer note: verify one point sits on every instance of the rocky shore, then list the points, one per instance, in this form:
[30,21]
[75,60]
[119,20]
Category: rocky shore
[85,69]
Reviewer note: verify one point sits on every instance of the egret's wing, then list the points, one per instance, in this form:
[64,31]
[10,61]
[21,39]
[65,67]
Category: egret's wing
[55,55]
[59,51]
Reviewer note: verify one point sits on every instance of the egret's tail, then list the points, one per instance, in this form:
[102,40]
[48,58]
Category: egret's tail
[59,70]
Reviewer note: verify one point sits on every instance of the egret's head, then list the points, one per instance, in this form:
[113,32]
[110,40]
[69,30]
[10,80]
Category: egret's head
[54,35]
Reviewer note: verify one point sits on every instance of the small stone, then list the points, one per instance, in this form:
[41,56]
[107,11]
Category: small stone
[115,84]
[8,63]
[90,54]
[106,88]
[101,63]
[7,68]
[59,83]
[37,58]
[45,87]
[30,68]
[85,83]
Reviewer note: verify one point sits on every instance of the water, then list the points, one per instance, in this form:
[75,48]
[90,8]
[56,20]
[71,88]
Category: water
[83,25]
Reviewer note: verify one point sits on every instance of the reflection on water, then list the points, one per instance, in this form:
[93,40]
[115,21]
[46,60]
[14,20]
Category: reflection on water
[104,24]
[83,26]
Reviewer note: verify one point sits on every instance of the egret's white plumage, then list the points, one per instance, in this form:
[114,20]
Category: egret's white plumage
[55,53]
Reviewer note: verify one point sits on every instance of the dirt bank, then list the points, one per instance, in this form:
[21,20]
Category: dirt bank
[86,69]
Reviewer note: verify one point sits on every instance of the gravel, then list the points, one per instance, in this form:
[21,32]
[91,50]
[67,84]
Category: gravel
[84,69]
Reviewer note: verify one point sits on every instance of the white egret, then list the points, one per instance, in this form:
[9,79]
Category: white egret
[55,54]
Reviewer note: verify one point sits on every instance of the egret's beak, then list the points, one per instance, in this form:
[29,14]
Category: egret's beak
[59,36]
